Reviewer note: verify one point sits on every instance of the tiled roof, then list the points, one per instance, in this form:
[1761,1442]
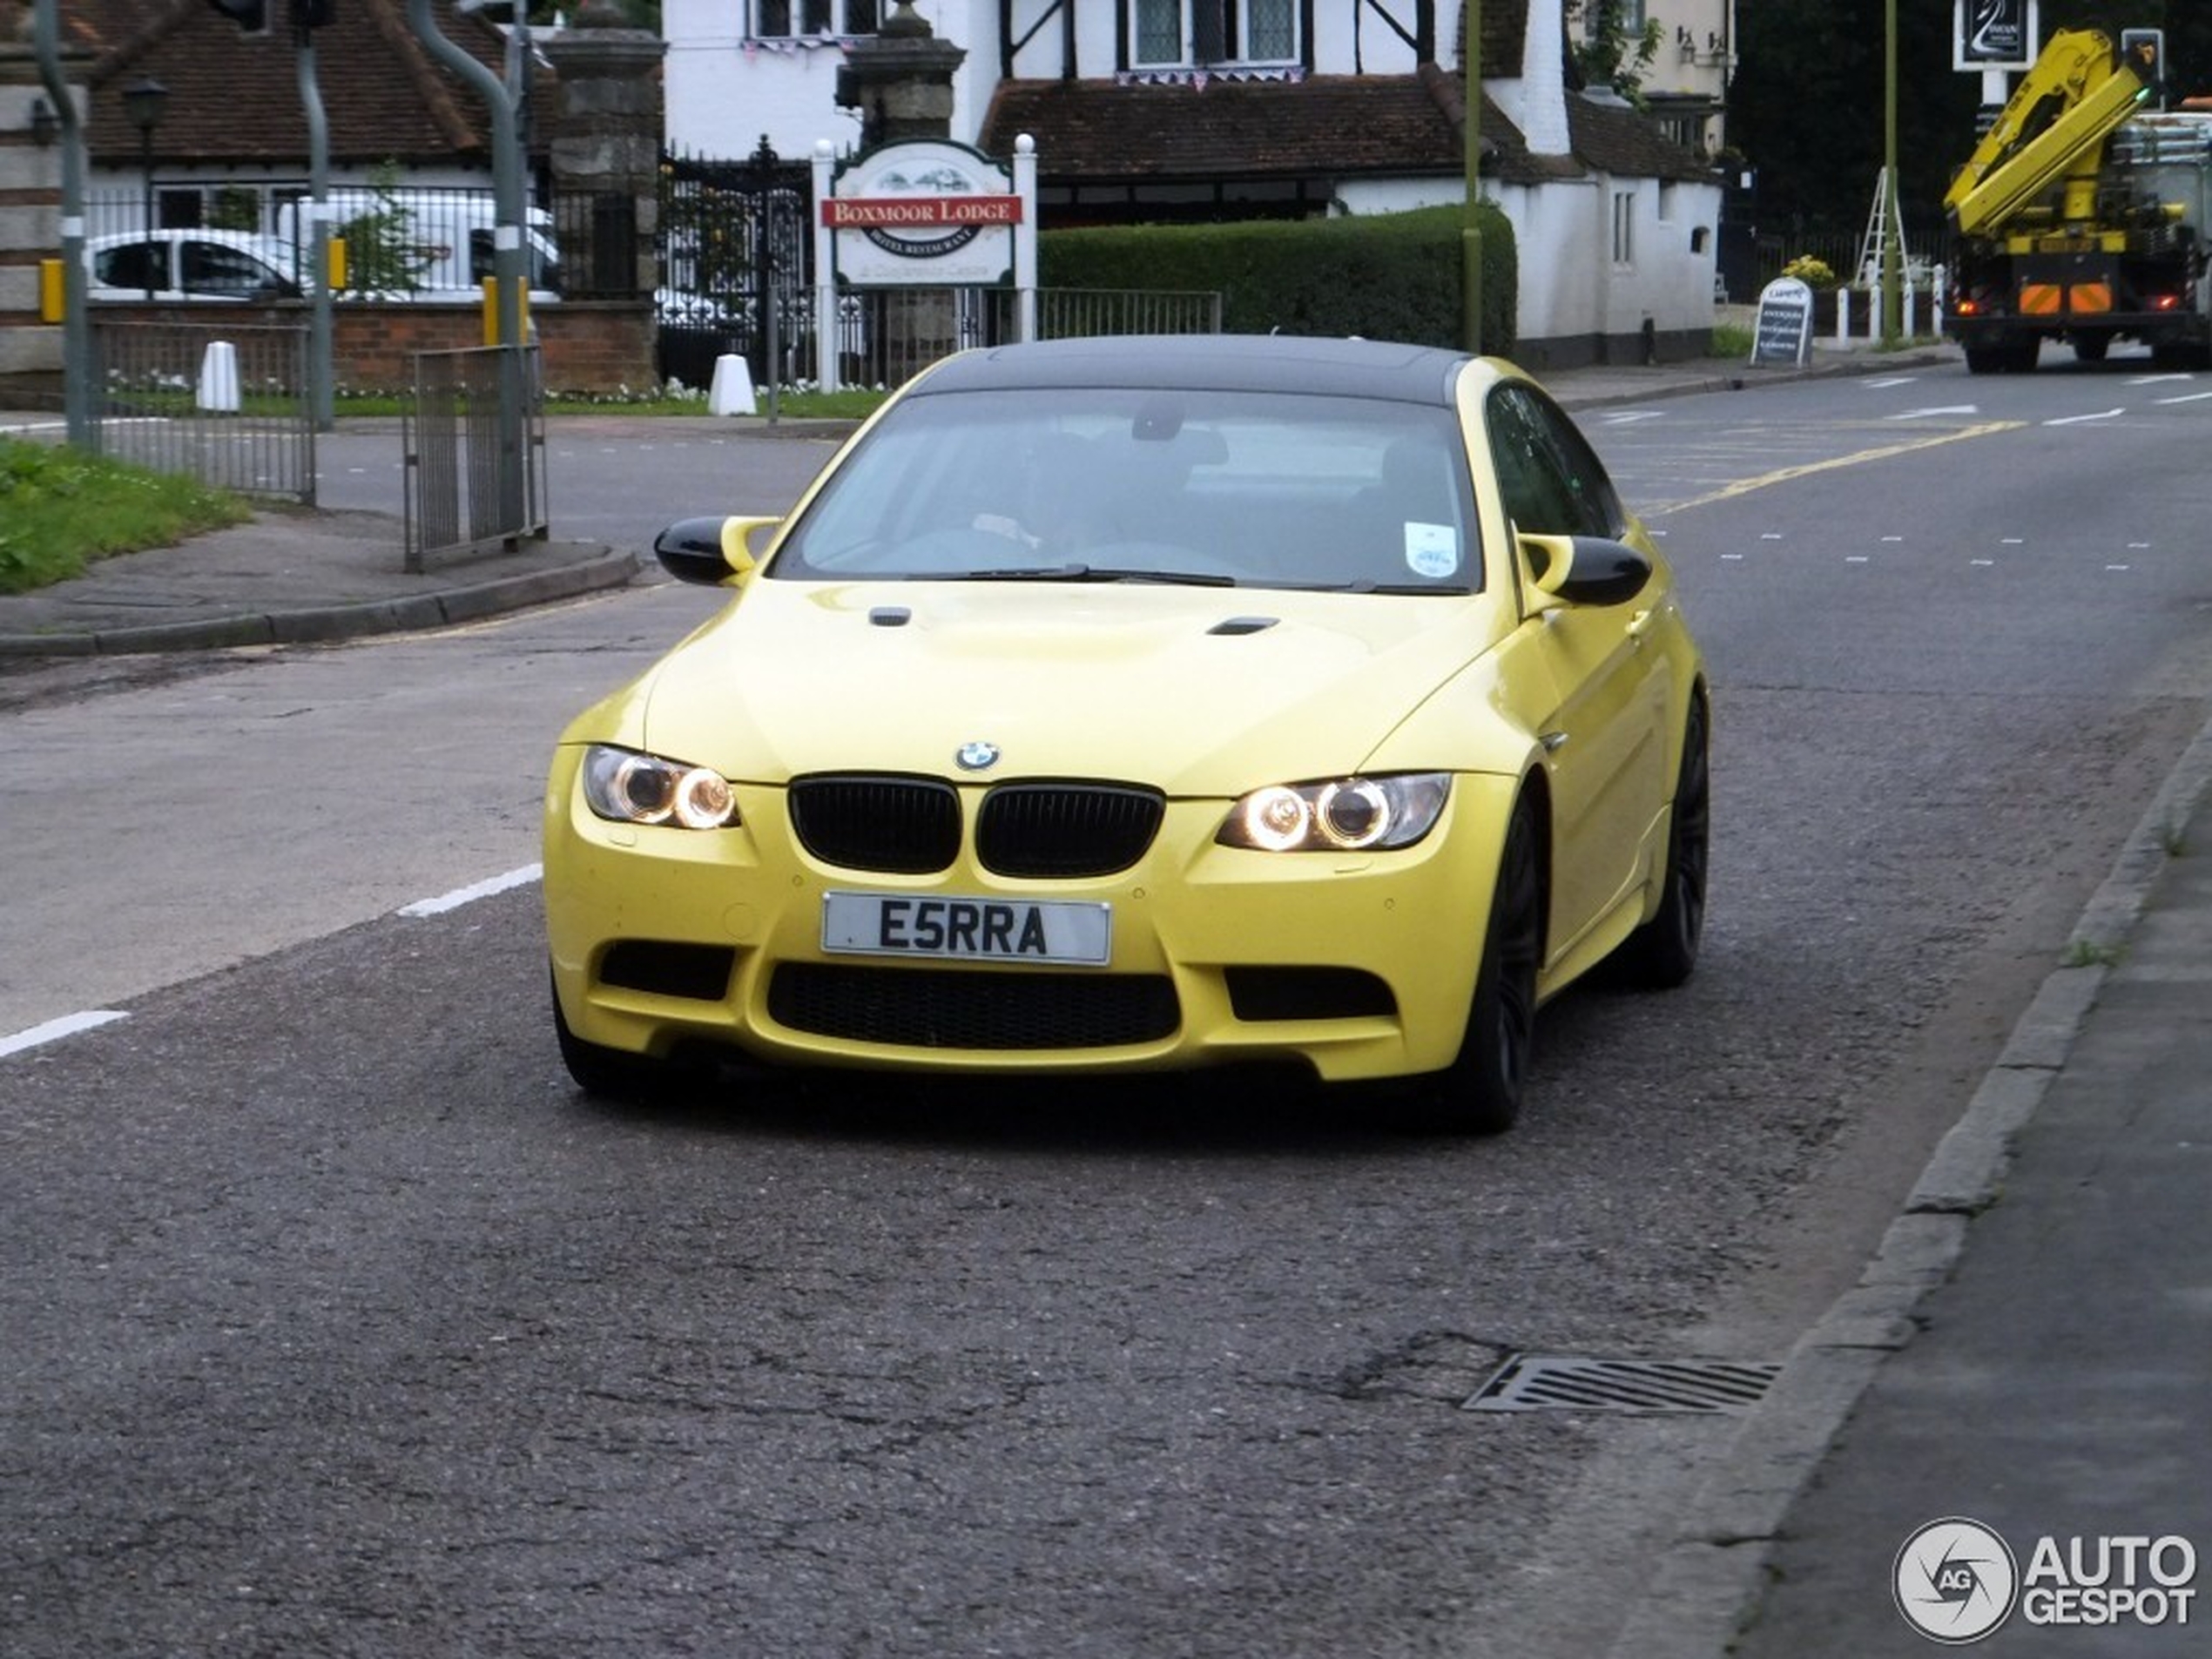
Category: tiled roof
[236,100]
[1323,125]
[1616,140]
[1331,125]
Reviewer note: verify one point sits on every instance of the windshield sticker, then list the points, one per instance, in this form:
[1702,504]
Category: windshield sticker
[1431,550]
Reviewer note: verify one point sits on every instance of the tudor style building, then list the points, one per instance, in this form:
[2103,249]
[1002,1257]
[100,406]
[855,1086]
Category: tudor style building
[1167,110]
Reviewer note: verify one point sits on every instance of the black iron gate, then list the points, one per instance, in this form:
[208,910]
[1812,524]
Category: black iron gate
[737,255]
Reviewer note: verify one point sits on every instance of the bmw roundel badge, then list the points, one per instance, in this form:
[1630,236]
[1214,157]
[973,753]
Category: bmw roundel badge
[977,756]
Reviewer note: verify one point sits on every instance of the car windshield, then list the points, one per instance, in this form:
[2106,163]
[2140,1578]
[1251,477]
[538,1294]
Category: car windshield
[1222,487]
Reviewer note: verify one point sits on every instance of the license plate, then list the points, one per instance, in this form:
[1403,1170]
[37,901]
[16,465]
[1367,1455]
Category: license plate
[994,930]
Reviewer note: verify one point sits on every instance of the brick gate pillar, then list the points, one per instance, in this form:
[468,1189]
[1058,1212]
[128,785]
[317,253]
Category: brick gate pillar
[605,156]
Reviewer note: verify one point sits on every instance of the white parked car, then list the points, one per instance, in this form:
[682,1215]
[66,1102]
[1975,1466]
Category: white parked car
[190,265]
[443,243]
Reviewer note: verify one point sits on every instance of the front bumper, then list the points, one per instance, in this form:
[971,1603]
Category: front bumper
[1357,965]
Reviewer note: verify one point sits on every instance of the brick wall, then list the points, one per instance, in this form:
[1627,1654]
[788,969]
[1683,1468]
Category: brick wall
[587,346]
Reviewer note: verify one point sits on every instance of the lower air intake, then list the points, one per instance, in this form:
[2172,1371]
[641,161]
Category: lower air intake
[922,1007]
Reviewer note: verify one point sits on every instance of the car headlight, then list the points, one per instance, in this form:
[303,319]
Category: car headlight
[633,788]
[1344,814]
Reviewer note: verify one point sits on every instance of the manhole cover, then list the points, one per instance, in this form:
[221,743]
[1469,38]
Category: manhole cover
[1535,1382]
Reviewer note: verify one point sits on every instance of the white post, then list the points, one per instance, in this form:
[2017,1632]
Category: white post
[1025,238]
[1843,313]
[827,337]
[1936,289]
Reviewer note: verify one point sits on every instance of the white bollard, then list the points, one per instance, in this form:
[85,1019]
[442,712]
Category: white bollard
[218,378]
[732,391]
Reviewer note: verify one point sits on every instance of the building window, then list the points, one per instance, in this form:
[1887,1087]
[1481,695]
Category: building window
[1171,33]
[1624,227]
[774,18]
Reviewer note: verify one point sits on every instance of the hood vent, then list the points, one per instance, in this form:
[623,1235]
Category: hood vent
[1234,626]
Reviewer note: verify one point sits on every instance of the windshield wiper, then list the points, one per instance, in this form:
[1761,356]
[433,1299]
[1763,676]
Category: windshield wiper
[1095,573]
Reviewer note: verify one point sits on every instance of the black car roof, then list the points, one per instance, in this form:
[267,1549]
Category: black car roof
[1211,362]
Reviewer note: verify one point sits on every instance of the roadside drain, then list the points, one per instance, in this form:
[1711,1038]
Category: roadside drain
[1536,1382]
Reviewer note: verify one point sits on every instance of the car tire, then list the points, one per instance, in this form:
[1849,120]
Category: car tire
[1661,953]
[605,1073]
[1480,1093]
[2091,348]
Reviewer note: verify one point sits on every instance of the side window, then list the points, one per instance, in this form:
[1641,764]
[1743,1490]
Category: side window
[210,267]
[1538,495]
[1597,503]
[1551,480]
[125,268]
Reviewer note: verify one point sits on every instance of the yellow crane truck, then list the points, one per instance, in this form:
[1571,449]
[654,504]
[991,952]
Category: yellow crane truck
[2082,216]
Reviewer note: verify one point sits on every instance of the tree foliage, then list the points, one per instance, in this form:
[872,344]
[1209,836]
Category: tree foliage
[1805,105]
[1611,51]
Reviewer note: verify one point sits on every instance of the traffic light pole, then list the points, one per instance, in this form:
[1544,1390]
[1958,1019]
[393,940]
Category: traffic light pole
[1470,224]
[510,261]
[320,396]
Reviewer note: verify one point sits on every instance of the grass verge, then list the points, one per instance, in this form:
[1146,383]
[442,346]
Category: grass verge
[60,510]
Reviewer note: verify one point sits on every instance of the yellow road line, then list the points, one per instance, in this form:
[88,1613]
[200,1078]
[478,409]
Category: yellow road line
[1745,486]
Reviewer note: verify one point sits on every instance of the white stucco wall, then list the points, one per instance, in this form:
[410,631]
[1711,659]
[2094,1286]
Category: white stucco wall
[721,97]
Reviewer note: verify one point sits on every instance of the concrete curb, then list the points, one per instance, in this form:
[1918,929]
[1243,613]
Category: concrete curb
[323,624]
[1710,1581]
[1750,377]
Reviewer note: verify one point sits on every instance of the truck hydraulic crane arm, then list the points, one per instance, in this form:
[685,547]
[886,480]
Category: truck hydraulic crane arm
[2053,128]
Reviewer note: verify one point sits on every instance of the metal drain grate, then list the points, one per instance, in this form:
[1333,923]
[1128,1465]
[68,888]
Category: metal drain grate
[1537,1382]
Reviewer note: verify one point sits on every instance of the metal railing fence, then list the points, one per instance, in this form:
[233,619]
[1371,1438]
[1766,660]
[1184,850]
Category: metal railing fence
[463,492]
[226,404]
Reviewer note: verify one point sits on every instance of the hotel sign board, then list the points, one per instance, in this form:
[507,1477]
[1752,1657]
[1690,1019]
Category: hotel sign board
[929,212]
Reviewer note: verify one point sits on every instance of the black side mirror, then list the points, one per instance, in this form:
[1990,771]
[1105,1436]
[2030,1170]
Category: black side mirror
[708,551]
[1586,569]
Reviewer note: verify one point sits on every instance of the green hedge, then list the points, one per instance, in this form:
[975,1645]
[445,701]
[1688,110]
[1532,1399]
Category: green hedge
[1387,276]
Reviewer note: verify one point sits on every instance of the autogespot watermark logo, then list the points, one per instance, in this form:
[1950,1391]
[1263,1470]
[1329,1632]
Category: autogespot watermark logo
[1956,1580]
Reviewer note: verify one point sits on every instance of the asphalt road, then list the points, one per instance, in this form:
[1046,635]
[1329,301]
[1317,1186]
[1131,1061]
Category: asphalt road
[336,1323]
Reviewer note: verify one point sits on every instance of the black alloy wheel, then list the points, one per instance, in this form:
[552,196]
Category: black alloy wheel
[1661,953]
[1481,1092]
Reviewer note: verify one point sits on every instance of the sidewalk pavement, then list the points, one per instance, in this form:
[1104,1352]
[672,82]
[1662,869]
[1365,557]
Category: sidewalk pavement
[2032,1346]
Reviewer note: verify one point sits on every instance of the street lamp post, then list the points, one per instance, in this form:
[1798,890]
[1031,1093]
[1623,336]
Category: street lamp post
[143,102]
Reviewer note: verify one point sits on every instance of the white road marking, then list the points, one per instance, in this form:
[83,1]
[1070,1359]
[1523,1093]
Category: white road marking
[2154,379]
[475,891]
[1623,417]
[1894,380]
[68,1025]
[1945,409]
[2193,397]
[2078,420]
